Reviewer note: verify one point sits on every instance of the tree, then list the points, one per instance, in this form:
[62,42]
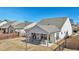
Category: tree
[6,20]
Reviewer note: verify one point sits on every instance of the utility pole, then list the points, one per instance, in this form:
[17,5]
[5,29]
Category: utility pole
[47,40]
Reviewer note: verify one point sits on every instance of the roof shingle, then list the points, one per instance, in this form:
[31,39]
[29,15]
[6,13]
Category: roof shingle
[58,22]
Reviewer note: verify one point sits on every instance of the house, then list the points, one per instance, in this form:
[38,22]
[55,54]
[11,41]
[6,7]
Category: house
[27,28]
[49,31]
[20,28]
[74,28]
[7,28]
[3,22]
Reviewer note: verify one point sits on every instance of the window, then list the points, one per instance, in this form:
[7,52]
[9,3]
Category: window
[57,36]
[0,28]
[33,35]
[44,36]
[11,31]
[4,30]
[41,36]
[61,32]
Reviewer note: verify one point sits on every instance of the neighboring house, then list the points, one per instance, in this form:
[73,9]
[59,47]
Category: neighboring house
[20,28]
[27,28]
[74,28]
[8,28]
[49,31]
[3,22]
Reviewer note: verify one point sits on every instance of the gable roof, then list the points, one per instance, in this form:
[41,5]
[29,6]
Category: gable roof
[2,23]
[7,24]
[49,28]
[15,23]
[30,26]
[22,25]
[58,22]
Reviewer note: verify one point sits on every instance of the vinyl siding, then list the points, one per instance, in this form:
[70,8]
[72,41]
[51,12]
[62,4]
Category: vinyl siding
[66,27]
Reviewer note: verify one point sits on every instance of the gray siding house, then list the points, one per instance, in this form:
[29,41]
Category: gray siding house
[49,31]
[20,28]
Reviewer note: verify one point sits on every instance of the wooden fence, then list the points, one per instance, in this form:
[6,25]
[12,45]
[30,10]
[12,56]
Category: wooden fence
[8,36]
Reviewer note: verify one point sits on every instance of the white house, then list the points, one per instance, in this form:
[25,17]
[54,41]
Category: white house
[49,31]
[3,22]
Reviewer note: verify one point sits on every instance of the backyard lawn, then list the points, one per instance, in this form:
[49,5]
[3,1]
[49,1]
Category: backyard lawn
[18,44]
[12,44]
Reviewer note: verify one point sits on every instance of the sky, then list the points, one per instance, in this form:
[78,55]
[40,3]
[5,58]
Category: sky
[35,14]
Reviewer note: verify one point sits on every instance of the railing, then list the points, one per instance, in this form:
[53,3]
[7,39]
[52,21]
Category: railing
[43,41]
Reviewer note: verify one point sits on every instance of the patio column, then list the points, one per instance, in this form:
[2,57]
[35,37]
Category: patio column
[47,40]
[39,36]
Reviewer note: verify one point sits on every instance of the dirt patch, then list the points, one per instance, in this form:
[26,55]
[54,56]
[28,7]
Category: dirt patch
[12,44]
[18,44]
[66,49]
[38,48]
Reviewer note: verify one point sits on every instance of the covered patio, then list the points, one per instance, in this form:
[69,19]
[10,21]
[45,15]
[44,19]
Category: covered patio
[43,35]
[43,39]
